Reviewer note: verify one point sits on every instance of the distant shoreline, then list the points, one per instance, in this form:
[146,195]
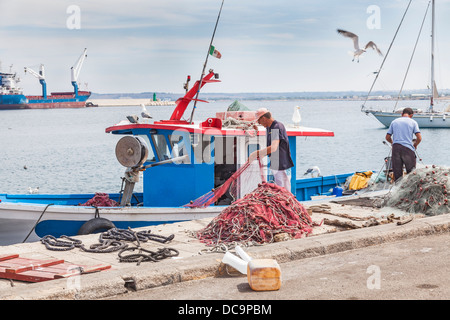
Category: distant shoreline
[128,102]
[271,96]
[149,102]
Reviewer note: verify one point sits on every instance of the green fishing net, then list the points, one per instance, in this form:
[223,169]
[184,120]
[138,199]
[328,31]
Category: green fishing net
[423,191]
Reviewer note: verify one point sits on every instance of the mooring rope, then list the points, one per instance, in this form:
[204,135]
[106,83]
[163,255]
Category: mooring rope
[116,240]
[37,222]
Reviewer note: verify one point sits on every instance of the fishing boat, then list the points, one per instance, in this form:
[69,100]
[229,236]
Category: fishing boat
[430,118]
[12,97]
[181,160]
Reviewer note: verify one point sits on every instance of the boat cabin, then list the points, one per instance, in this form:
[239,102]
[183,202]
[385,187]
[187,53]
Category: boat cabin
[204,157]
[186,160]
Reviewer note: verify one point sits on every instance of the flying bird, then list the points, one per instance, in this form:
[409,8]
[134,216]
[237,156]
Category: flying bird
[314,171]
[144,112]
[358,51]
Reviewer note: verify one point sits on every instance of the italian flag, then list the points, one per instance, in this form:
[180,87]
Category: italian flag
[214,52]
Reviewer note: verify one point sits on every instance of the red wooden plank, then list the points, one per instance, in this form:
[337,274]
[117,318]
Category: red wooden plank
[34,270]
[33,264]
[8,256]
[58,269]
[95,268]
[63,266]
[85,269]
[31,276]
[18,262]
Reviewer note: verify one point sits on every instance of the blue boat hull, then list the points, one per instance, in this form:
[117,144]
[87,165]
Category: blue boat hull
[57,228]
[61,214]
[306,188]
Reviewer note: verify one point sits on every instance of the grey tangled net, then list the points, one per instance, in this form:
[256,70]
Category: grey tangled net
[423,191]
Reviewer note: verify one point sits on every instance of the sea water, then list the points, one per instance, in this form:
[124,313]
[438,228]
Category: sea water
[68,151]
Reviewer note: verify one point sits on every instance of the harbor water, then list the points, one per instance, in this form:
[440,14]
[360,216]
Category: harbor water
[68,151]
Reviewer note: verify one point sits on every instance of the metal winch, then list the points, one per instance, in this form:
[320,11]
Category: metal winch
[131,152]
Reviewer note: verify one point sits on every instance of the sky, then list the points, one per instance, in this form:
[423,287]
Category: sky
[266,46]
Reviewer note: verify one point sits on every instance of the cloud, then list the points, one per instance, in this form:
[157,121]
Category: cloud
[284,36]
[139,45]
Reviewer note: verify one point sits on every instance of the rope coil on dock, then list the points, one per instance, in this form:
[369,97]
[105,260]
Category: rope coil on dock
[149,255]
[114,240]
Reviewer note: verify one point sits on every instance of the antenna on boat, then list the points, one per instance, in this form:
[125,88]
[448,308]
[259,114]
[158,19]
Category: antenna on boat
[432,58]
[204,66]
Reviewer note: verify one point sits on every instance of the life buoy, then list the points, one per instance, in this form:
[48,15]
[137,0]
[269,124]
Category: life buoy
[95,225]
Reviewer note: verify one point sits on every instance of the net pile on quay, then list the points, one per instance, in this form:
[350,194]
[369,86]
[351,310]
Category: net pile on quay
[423,191]
[258,217]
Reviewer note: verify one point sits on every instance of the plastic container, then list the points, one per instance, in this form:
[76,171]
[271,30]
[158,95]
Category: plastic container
[337,191]
[237,263]
[264,275]
[242,254]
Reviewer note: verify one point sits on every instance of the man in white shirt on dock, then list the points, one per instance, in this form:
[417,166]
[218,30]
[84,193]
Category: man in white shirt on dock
[400,135]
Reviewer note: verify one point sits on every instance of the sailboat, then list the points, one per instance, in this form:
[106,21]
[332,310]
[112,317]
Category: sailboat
[425,119]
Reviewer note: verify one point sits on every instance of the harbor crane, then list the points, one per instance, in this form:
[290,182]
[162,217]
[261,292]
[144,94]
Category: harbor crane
[41,76]
[75,71]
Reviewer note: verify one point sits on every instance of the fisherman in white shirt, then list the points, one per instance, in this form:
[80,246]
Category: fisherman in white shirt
[400,135]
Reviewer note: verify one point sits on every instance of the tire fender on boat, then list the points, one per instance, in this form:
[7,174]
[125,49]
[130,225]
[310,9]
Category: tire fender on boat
[95,225]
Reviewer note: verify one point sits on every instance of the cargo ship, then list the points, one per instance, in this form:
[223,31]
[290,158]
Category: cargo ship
[12,97]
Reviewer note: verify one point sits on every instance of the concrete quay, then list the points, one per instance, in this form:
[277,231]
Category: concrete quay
[194,261]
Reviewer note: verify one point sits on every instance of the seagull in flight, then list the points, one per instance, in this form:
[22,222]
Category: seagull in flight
[358,51]
[144,112]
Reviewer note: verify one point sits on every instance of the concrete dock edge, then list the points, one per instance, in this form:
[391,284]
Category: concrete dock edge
[149,275]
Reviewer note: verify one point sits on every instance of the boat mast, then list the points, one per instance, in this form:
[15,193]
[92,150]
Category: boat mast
[432,57]
[204,65]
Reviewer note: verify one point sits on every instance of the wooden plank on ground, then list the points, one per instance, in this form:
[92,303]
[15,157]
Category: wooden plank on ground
[34,270]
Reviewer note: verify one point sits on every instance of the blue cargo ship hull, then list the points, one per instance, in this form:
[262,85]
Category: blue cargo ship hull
[14,101]
[55,100]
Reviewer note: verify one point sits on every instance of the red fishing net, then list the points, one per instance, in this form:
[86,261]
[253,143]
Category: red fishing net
[100,200]
[244,180]
[257,217]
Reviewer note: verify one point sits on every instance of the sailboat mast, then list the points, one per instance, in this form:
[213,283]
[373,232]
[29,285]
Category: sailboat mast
[432,57]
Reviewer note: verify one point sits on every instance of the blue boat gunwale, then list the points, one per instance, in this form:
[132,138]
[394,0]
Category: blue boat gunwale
[305,188]
[69,199]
